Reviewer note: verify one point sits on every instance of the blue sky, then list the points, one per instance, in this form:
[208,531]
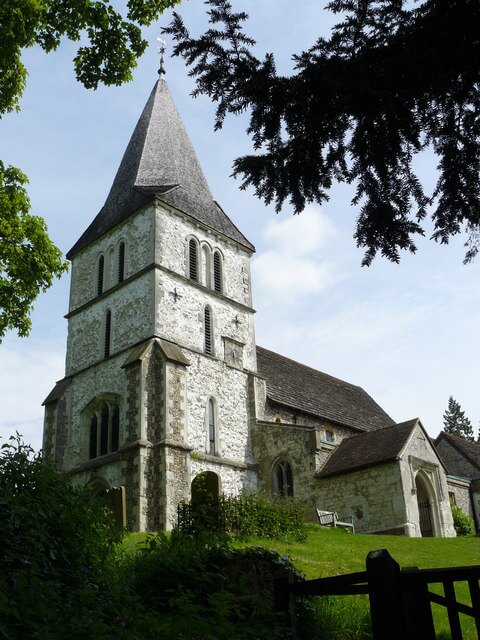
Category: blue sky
[406,333]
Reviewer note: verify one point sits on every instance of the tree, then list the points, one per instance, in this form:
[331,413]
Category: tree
[393,78]
[455,421]
[110,47]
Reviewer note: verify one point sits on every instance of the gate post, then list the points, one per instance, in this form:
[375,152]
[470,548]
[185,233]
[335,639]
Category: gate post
[386,598]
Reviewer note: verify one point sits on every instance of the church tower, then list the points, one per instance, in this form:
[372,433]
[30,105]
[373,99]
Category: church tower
[161,346]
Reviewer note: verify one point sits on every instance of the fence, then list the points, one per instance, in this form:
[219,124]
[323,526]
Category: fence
[400,599]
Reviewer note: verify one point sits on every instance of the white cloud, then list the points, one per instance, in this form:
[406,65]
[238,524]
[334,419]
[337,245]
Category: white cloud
[28,372]
[291,267]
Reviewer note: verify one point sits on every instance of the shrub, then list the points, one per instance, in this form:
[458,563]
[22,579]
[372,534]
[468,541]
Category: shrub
[462,523]
[247,516]
[56,541]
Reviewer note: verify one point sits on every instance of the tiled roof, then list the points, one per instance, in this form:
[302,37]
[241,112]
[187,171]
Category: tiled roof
[160,162]
[368,449]
[295,385]
[470,450]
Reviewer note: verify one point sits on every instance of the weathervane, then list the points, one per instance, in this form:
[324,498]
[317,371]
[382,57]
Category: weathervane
[161,51]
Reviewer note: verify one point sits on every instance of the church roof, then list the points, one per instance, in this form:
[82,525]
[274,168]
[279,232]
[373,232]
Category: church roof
[470,450]
[369,449]
[160,162]
[299,387]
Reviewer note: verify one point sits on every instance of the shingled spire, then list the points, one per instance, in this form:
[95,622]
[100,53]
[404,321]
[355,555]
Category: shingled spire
[159,162]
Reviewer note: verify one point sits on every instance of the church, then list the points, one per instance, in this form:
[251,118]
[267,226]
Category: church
[164,383]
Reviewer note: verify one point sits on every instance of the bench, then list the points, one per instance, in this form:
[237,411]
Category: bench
[330,519]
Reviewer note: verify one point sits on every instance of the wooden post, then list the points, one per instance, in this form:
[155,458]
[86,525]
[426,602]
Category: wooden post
[418,610]
[284,599]
[386,600]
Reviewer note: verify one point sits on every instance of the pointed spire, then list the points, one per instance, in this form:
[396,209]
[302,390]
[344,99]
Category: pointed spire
[160,162]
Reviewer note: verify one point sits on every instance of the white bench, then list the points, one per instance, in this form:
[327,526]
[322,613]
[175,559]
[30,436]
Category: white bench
[330,519]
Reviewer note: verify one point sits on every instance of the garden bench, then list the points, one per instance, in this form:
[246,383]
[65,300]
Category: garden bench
[330,519]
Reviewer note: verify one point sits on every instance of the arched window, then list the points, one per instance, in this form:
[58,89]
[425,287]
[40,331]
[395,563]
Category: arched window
[121,262]
[193,259]
[100,274]
[217,272]
[104,436]
[208,347]
[282,480]
[206,270]
[212,428]
[108,334]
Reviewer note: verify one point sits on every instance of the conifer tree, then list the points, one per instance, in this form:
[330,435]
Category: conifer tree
[456,422]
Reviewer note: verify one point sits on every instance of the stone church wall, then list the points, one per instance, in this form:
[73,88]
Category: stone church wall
[459,491]
[137,232]
[373,496]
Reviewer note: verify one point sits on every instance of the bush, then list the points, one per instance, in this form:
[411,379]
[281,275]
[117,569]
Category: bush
[56,541]
[196,590]
[462,523]
[247,516]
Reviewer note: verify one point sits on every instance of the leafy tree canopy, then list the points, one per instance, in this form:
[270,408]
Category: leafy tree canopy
[393,78]
[456,422]
[111,44]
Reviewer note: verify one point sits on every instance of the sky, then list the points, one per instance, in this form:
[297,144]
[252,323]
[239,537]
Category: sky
[407,333]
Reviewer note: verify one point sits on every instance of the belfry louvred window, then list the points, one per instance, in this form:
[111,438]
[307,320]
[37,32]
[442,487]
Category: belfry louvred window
[208,331]
[100,270]
[104,436]
[217,272]
[108,334]
[193,260]
[121,261]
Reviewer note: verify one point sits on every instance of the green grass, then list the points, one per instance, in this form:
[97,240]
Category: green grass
[329,552]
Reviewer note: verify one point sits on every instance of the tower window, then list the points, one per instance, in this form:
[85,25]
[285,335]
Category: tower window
[193,260]
[208,331]
[121,261]
[217,272]
[100,272]
[212,435]
[104,433]
[108,333]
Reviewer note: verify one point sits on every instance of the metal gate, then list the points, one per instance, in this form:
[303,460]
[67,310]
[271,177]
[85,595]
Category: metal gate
[425,513]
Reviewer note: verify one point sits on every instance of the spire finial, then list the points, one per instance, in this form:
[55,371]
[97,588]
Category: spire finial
[161,51]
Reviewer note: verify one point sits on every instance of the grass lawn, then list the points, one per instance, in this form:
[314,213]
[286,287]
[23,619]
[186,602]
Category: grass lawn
[329,552]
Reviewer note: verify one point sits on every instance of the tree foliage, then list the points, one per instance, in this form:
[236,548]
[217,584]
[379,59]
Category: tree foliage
[110,46]
[456,422]
[393,78]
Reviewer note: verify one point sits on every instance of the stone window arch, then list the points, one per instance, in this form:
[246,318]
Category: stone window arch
[208,330]
[211,421]
[121,261]
[100,273]
[193,269]
[103,428]
[217,271]
[206,265]
[107,335]
[282,478]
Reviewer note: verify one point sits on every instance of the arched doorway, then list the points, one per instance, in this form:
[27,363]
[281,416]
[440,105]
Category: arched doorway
[205,488]
[425,514]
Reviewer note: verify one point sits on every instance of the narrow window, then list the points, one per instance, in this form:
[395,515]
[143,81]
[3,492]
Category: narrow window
[329,436]
[93,437]
[104,430]
[208,331]
[192,260]
[100,270]
[121,261]
[217,272]
[108,330]
[115,429]
[212,440]
[283,479]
